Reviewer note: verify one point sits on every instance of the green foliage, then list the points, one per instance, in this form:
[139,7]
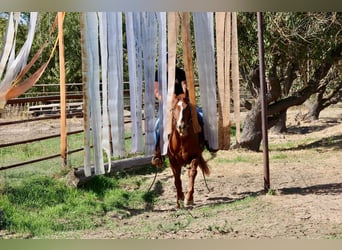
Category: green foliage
[22,29]
[72,46]
[296,44]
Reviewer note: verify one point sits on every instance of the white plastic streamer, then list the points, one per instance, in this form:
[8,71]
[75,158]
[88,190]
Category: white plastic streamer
[135,90]
[115,83]
[139,72]
[93,90]
[8,43]
[104,71]
[149,46]
[163,80]
[15,65]
[204,42]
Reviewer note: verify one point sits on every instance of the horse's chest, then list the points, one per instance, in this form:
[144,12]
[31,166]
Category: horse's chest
[186,153]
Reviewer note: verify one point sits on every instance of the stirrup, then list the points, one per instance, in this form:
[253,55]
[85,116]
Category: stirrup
[157,160]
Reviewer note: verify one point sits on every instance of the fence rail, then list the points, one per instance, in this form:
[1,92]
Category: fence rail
[37,102]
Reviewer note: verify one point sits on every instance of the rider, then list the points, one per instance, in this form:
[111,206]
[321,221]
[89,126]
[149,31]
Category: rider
[180,87]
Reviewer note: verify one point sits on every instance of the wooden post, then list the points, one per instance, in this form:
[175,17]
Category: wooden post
[235,76]
[227,63]
[187,55]
[219,21]
[85,83]
[173,26]
[62,90]
[223,42]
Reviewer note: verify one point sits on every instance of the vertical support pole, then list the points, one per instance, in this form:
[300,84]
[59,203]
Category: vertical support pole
[172,32]
[263,102]
[62,90]
[85,83]
[235,76]
[223,42]
[227,63]
[187,55]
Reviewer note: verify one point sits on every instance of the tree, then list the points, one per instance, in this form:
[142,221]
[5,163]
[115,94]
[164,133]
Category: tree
[72,41]
[302,56]
[329,92]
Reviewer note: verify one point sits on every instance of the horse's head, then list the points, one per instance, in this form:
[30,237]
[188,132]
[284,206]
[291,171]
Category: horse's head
[181,115]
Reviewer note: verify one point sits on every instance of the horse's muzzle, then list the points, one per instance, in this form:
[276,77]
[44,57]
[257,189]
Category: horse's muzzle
[182,129]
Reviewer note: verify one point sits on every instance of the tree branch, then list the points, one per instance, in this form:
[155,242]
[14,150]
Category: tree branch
[299,97]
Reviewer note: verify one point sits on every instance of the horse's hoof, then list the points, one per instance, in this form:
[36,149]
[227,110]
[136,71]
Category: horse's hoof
[188,203]
[180,203]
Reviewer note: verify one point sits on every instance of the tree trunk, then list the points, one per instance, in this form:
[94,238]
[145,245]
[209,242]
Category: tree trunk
[316,107]
[279,125]
[251,133]
[314,111]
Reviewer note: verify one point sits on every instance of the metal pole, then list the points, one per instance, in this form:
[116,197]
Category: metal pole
[263,102]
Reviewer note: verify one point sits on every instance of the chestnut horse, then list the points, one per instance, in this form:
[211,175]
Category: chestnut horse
[185,147]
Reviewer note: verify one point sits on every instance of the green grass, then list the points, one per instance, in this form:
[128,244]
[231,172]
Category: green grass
[44,205]
[178,221]
[215,210]
[290,144]
[333,237]
[279,156]
[242,158]
[239,158]
[35,200]
[35,150]
[222,229]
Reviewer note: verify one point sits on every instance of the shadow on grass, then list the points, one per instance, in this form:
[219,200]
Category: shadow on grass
[328,142]
[306,129]
[332,142]
[322,189]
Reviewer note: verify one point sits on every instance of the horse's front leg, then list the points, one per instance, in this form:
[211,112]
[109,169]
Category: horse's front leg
[192,172]
[176,170]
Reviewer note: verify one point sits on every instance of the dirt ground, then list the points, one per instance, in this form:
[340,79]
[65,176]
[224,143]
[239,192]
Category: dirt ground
[305,199]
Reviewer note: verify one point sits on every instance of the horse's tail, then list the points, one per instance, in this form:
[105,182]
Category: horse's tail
[204,166]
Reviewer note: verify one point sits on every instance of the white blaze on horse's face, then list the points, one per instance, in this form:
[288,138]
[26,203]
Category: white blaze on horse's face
[181,125]
[179,122]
